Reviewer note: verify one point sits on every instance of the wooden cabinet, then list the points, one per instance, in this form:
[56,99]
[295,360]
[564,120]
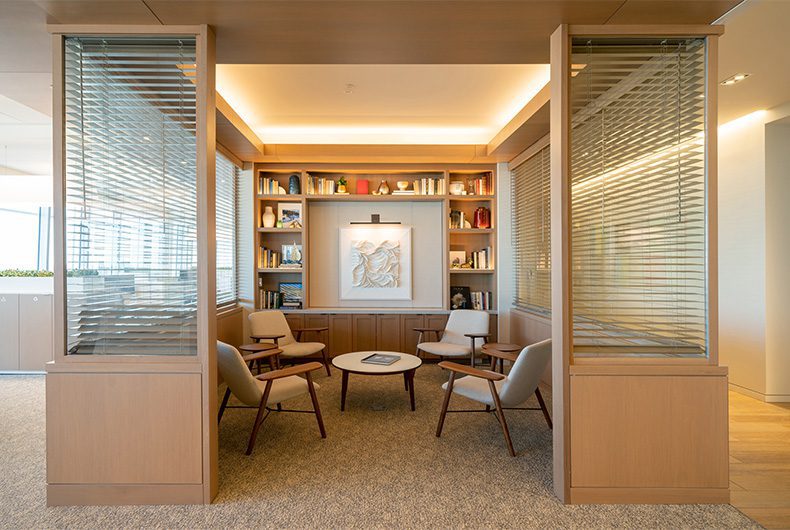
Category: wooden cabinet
[340,335]
[35,331]
[9,332]
[364,332]
[408,335]
[295,320]
[388,333]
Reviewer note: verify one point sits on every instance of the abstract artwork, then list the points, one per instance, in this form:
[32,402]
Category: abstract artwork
[375,263]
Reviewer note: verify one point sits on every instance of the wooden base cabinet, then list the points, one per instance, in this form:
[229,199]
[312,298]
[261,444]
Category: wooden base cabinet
[388,333]
[340,333]
[364,332]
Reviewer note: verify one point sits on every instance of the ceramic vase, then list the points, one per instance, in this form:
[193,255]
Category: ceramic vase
[482,218]
[294,185]
[268,217]
[384,188]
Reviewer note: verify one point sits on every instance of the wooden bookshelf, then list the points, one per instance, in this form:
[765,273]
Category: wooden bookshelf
[478,182]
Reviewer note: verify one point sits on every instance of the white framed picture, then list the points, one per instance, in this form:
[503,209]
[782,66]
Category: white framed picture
[290,214]
[375,262]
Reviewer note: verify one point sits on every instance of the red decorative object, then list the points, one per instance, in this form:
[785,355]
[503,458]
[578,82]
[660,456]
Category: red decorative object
[482,218]
[362,187]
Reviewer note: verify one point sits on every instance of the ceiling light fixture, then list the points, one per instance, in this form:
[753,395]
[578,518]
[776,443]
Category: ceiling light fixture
[737,78]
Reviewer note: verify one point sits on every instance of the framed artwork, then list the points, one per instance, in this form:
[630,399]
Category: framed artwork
[290,214]
[375,262]
[457,258]
[460,298]
[292,256]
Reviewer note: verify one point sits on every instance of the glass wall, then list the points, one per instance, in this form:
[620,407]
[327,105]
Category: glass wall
[638,196]
[130,206]
[227,220]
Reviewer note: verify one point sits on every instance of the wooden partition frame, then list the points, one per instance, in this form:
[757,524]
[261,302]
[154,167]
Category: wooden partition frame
[184,469]
[592,423]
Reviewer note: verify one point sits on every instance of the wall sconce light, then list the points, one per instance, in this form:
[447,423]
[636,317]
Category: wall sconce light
[375,219]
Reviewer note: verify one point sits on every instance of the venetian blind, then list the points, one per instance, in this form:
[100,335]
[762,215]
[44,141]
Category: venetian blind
[227,183]
[638,197]
[130,195]
[531,211]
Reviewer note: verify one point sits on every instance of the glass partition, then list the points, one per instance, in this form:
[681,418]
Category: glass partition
[638,240]
[130,195]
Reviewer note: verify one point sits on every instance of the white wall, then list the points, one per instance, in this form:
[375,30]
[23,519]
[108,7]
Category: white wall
[754,300]
[426,220]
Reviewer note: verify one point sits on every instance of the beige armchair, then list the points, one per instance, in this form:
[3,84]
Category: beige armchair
[498,390]
[466,331]
[260,392]
[271,326]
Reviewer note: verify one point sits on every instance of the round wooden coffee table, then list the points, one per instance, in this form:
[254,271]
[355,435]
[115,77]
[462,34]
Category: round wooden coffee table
[351,363]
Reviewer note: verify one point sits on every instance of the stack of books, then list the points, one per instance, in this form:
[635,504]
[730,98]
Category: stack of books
[269,259]
[320,186]
[267,186]
[482,259]
[481,300]
[430,186]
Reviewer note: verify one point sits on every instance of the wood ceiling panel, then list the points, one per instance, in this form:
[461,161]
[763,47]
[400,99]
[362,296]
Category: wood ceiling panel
[384,32]
[671,11]
[98,12]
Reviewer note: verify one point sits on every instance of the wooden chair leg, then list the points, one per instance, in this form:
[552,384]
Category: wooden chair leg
[501,417]
[315,405]
[447,395]
[543,408]
[259,417]
[325,355]
[224,404]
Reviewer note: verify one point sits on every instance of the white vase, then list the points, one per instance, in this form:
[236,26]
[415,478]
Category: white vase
[268,217]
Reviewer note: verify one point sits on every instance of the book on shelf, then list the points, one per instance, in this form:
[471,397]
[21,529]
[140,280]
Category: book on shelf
[268,258]
[457,219]
[481,300]
[268,186]
[481,259]
[483,185]
[404,192]
[320,186]
[269,299]
[429,186]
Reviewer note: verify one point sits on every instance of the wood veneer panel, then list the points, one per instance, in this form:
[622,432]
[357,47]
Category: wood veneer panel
[408,336]
[364,332]
[340,334]
[388,332]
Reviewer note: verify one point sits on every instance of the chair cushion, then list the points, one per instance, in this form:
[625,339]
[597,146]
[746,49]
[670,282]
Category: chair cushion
[445,349]
[300,349]
[476,388]
[285,388]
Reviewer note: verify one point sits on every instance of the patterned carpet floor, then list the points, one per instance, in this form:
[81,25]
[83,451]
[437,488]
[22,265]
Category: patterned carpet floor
[380,467]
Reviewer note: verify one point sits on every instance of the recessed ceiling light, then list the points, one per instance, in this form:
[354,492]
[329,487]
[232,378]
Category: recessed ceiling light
[734,79]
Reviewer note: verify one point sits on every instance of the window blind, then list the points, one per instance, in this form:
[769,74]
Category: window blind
[638,196]
[130,195]
[227,183]
[531,211]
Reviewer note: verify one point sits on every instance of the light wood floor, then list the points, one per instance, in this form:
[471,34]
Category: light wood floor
[760,460]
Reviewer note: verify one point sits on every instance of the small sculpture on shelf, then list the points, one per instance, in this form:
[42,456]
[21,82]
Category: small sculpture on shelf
[384,188]
[294,184]
[341,186]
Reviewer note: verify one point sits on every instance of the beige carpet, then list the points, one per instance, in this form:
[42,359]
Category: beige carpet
[381,466]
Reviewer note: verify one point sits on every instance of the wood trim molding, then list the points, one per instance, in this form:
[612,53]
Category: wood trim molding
[650,495]
[667,30]
[238,162]
[648,369]
[529,152]
[123,494]
[520,119]
[711,194]
[124,29]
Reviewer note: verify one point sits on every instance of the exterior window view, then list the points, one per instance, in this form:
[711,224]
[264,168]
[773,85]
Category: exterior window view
[394,264]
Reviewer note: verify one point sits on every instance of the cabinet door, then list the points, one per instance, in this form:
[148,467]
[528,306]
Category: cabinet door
[316,321]
[295,320]
[35,331]
[340,333]
[492,328]
[9,332]
[364,332]
[408,335]
[388,336]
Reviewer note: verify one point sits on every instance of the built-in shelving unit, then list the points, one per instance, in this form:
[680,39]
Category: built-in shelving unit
[463,190]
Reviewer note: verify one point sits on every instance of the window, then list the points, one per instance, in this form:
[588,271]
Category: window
[227,186]
[531,210]
[638,239]
[130,195]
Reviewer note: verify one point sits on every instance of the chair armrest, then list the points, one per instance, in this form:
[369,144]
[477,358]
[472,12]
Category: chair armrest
[468,370]
[423,330]
[261,355]
[501,354]
[267,337]
[477,335]
[300,330]
[291,370]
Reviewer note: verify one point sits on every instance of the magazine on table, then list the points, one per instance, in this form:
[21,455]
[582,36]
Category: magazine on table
[381,358]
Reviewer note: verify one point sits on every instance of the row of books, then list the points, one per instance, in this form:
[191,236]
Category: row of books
[429,186]
[270,299]
[267,186]
[483,185]
[320,186]
[481,300]
[269,259]
[481,259]
[458,219]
